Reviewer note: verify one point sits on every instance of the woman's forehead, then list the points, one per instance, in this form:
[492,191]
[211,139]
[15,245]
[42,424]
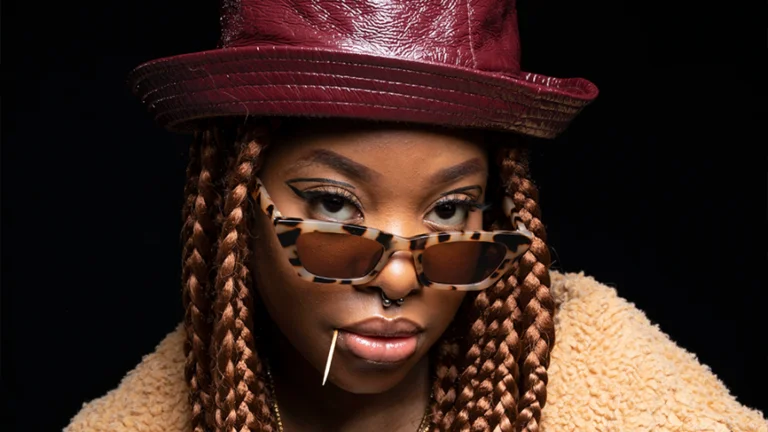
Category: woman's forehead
[375,152]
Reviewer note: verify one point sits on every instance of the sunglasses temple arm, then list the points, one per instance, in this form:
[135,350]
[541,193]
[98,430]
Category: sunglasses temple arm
[264,201]
[517,222]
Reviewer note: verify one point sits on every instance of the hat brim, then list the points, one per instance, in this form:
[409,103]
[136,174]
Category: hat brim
[289,81]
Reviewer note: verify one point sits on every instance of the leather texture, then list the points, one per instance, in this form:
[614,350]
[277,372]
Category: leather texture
[451,62]
[437,31]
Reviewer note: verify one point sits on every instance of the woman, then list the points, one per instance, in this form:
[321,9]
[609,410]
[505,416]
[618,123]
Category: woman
[363,246]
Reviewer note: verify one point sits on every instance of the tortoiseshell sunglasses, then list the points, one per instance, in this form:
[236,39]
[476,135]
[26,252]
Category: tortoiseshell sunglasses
[339,253]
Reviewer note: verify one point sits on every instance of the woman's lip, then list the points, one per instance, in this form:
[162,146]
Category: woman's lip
[381,340]
[379,349]
[381,327]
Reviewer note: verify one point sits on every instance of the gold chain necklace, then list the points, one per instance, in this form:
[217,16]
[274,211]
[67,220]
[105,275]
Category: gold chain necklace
[423,426]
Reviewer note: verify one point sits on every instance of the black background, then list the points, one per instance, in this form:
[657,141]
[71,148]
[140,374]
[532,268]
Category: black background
[658,188]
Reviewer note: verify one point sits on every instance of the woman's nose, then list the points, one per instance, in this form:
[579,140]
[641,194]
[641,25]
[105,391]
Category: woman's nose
[398,278]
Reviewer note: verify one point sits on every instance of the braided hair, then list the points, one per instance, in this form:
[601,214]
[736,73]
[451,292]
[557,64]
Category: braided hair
[490,367]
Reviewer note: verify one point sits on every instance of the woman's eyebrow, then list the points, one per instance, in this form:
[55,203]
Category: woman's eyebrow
[463,189]
[318,180]
[455,172]
[340,163]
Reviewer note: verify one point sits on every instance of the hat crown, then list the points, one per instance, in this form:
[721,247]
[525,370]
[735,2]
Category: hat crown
[477,34]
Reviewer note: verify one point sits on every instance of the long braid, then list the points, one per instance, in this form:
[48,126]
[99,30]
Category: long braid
[488,395]
[506,372]
[198,232]
[252,372]
[191,368]
[496,404]
[488,383]
[444,386]
[240,393]
[536,302]
[447,361]
[468,382]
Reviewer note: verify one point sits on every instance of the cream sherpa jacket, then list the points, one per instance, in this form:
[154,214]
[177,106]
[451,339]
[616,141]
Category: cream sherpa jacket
[611,370]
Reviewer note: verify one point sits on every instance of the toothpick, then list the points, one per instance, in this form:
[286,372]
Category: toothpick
[330,355]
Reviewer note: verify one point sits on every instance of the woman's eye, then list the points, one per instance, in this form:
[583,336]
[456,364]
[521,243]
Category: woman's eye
[449,214]
[446,211]
[333,204]
[334,207]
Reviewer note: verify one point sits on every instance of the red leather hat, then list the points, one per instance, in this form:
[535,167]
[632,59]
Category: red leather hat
[429,61]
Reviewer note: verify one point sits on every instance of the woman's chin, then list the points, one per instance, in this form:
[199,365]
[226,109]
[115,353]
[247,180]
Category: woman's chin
[368,383]
[357,375]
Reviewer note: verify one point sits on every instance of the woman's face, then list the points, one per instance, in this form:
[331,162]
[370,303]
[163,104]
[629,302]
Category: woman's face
[405,181]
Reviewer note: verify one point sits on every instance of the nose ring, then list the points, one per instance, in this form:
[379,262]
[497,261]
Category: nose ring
[387,302]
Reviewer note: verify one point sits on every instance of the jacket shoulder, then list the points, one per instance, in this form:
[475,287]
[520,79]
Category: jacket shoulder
[612,369]
[152,397]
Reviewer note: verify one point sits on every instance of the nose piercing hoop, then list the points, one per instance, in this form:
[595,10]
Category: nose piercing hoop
[387,302]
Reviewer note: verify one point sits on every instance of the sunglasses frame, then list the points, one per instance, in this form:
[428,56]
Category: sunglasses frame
[288,230]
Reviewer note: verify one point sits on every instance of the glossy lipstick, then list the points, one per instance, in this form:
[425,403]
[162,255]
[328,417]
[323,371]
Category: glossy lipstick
[381,340]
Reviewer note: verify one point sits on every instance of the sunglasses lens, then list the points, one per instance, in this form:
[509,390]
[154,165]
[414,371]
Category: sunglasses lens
[463,262]
[338,256]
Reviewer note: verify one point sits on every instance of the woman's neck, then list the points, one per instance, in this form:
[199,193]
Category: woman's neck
[305,405]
